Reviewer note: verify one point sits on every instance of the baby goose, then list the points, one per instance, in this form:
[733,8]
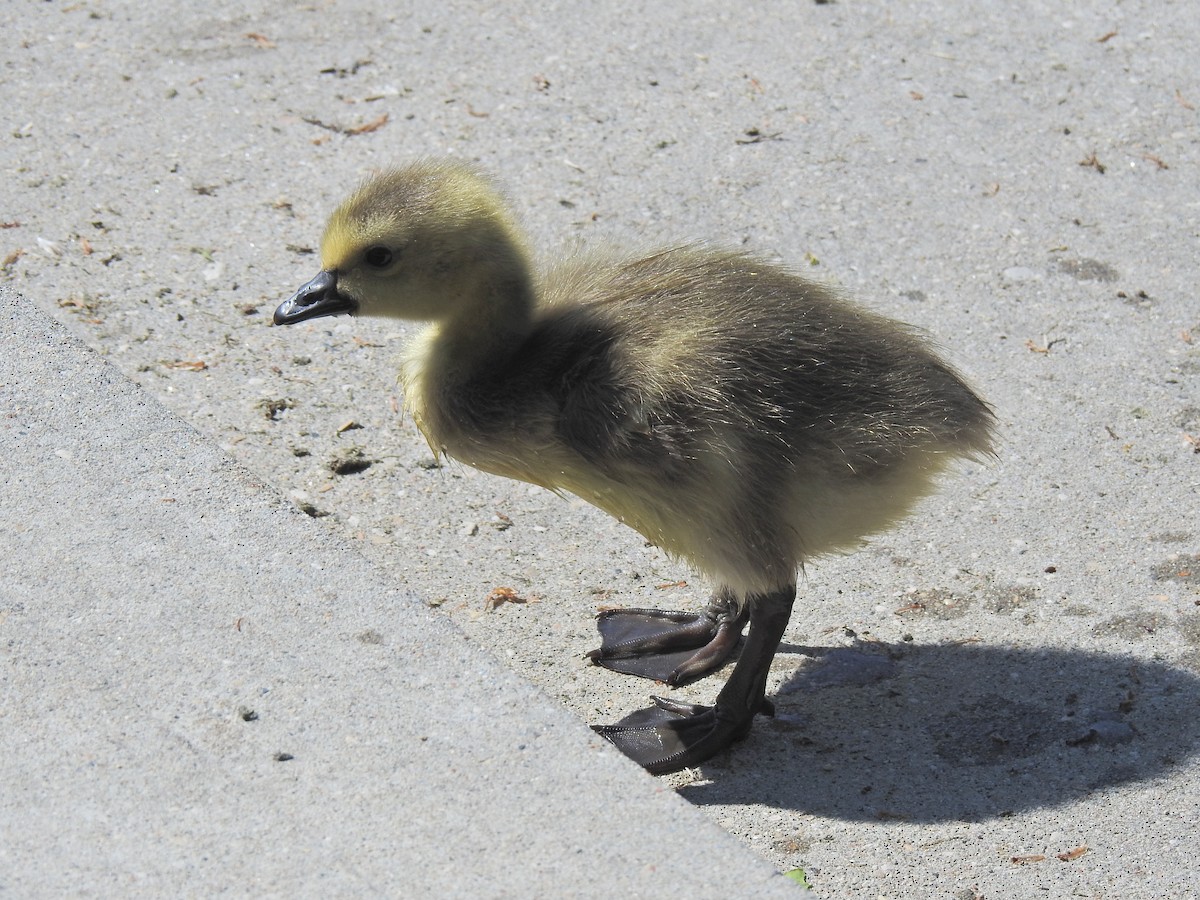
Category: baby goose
[735,414]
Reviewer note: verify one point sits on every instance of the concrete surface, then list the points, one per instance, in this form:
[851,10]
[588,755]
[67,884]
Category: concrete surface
[1009,678]
[205,691]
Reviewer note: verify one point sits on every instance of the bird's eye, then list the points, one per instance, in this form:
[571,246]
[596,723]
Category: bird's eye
[378,257]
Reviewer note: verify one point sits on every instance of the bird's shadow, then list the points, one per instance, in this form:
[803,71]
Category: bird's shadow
[956,732]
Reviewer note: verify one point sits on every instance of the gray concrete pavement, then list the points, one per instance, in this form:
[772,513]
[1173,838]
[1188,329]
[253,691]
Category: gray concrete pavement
[1009,678]
[205,692]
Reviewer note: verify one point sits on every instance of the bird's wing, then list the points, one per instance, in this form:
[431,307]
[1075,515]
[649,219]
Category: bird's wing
[617,425]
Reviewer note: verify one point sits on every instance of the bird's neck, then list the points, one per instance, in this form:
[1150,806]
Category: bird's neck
[451,355]
[485,332]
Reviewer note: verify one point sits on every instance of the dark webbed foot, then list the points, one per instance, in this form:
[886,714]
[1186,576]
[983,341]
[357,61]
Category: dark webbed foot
[671,735]
[672,647]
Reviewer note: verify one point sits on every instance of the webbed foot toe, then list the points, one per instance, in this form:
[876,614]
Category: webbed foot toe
[671,735]
[672,647]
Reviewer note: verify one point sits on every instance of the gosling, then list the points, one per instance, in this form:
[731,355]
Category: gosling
[735,414]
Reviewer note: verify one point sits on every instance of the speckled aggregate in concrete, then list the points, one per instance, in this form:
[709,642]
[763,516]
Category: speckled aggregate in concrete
[1008,678]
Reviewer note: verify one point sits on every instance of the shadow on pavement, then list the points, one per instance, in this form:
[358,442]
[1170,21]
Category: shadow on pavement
[957,732]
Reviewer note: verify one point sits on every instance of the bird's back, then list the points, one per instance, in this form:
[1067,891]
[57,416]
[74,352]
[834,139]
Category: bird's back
[705,337]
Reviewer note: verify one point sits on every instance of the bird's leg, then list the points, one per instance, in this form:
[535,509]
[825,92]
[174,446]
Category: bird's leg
[672,647]
[671,735]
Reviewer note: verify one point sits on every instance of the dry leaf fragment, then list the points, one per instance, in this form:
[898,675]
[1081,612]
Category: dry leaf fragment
[757,136]
[1184,103]
[1073,854]
[348,426]
[260,40]
[274,407]
[1106,38]
[373,125]
[191,365]
[350,461]
[1026,860]
[504,595]
[1094,163]
[85,304]
[671,584]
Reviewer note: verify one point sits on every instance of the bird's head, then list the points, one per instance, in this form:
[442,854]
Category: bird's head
[425,243]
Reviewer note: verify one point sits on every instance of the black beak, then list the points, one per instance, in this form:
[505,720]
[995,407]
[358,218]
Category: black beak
[315,298]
